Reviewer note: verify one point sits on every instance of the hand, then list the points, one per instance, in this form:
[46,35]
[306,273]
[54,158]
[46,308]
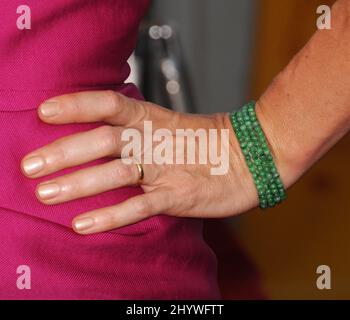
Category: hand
[182,190]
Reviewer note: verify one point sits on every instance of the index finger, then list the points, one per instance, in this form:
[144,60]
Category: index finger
[92,106]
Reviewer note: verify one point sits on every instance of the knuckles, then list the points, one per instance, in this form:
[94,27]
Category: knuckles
[124,173]
[108,137]
[143,206]
[113,100]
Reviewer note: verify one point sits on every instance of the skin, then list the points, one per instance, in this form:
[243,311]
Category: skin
[303,113]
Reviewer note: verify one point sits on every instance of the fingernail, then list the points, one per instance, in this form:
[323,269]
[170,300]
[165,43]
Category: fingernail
[33,165]
[49,109]
[83,224]
[48,191]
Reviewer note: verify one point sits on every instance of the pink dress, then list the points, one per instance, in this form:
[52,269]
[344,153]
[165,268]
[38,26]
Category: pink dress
[76,45]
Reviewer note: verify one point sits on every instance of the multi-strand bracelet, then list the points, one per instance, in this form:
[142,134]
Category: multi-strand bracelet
[260,162]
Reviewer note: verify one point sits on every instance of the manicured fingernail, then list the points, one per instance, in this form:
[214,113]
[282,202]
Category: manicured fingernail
[33,165]
[48,191]
[83,224]
[49,108]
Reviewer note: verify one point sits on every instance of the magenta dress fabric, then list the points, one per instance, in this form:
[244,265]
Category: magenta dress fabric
[78,45]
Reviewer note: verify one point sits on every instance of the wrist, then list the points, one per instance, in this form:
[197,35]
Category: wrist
[241,180]
[288,157]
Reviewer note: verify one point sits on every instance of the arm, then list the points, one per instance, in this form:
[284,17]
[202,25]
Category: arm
[306,109]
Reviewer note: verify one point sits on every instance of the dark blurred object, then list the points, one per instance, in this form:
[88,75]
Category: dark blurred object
[163,77]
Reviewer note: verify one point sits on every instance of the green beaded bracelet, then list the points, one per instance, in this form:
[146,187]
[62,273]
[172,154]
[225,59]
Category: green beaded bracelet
[258,157]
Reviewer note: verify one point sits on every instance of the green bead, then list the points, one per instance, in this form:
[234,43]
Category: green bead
[259,151]
[271,203]
[259,186]
[254,120]
[269,176]
[284,196]
[250,144]
[274,170]
[277,199]
[246,133]
[235,122]
[257,162]
[280,184]
[245,151]
[251,105]
[262,194]
[280,191]
[262,180]
[238,118]
[263,204]
[276,176]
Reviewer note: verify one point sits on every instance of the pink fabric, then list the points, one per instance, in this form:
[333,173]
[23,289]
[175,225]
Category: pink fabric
[77,45]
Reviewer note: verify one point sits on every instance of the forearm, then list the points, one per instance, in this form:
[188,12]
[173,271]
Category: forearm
[306,109]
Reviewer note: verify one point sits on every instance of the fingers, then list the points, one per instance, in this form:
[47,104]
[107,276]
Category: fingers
[90,181]
[128,212]
[93,106]
[72,151]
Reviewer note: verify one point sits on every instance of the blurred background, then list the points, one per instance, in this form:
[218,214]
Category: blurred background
[209,56]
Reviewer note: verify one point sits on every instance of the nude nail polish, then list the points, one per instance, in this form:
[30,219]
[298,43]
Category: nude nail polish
[83,224]
[48,191]
[33,165]
[49,109]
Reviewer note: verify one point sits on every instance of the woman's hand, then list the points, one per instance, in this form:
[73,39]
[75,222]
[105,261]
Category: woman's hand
[303,113]
[182,190]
